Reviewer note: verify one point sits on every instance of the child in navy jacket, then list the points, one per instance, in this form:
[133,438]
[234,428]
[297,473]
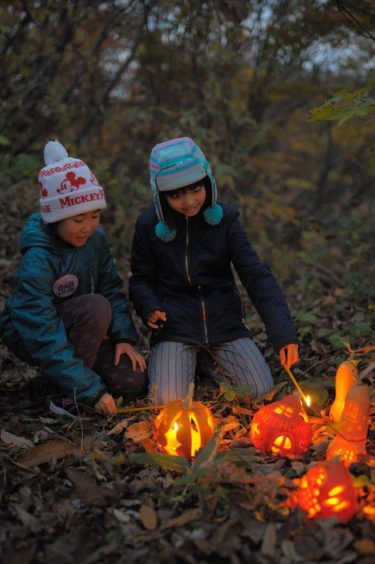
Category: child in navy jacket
[182,284]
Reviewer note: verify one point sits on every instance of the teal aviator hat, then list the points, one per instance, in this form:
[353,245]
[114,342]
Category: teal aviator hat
[174,164]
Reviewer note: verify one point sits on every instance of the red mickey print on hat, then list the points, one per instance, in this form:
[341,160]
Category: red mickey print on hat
[43,190]
[71,182]
[93,180]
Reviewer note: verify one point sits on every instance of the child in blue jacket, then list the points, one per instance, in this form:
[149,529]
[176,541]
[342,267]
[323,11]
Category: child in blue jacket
[182,284]
[67,313]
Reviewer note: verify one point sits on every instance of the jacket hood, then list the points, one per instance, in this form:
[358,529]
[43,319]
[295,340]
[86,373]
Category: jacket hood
[35,234]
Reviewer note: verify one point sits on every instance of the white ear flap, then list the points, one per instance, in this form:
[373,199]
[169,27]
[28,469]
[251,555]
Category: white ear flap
[54,151]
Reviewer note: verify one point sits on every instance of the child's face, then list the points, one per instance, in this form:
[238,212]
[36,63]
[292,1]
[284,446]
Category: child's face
[77,229]
[188,200]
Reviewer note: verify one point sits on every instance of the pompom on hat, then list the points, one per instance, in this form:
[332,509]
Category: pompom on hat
[174,164]
[67,186]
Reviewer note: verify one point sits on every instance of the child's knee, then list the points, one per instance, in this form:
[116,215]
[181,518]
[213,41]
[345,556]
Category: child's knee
[121,380]
[98,308]
[129,385]
[264,387]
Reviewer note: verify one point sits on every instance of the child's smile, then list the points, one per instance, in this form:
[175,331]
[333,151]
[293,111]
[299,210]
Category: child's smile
[188,200]
[77,230]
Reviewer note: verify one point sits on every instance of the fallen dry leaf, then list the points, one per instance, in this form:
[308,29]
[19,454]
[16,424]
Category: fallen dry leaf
[139,432]
[121,426]
[148,517]
[269,541]
[365,546]
[28,521]
[290,552]
[89,491]
[41,454]
[121,515]
[181,520]
[13,440]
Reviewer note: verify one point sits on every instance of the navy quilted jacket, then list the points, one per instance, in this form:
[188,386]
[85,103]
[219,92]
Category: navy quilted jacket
[30,323]
[191,279]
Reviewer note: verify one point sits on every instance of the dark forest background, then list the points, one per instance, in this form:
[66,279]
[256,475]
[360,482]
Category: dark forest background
[111,79]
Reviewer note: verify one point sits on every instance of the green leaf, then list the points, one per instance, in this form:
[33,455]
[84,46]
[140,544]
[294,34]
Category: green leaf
[4,142]
[187,480]
[165,461]
[228,392]
[240,456]
[361,481]
[346,104]
[308,317]
[207,455]
[336,341]
[361,329]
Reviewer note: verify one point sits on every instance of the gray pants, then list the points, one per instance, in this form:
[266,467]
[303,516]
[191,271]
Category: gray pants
[172,367]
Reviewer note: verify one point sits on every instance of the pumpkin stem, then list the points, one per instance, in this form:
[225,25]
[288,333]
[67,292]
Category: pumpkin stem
[189,397]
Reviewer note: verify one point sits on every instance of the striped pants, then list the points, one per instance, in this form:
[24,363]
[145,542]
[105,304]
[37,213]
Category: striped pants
[172,367]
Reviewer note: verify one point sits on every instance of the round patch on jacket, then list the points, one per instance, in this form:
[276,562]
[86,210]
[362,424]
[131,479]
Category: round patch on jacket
[65,286]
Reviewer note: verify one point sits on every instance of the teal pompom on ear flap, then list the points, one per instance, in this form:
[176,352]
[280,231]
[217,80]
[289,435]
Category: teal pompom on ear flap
[164,232]
[214,214]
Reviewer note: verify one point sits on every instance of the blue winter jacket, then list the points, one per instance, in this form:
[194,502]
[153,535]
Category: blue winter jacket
[191,279]
[30,325]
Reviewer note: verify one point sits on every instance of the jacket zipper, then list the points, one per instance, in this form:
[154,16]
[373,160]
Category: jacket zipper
[87,268]
[186,252]
[204,313]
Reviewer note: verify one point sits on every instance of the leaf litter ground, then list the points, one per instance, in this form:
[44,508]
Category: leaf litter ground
[73,491]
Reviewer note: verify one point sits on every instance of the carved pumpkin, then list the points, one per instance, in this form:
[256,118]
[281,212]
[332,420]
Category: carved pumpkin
[346,378]
[327,490]
[352,429]
[281,427]
[183,427]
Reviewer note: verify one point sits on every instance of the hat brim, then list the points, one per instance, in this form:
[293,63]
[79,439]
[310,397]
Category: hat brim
[167,180]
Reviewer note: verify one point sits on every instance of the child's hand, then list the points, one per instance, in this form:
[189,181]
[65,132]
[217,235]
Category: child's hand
[154,317]
[289,355]
[135,357]
[106,405]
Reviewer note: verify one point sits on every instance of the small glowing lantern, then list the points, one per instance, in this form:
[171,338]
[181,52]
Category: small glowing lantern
[346,378]
[327,490]
[352,429]
[183,427]
[281,427]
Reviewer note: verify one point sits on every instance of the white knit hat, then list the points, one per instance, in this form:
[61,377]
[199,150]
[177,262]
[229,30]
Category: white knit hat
[67,186]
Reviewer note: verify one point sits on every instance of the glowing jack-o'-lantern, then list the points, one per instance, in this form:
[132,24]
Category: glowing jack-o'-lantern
[183,427]
[327,490]
[281,427]
[346,378]
[350,440]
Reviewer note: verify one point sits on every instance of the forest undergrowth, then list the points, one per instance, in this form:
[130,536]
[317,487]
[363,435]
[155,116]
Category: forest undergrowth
[75,491]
